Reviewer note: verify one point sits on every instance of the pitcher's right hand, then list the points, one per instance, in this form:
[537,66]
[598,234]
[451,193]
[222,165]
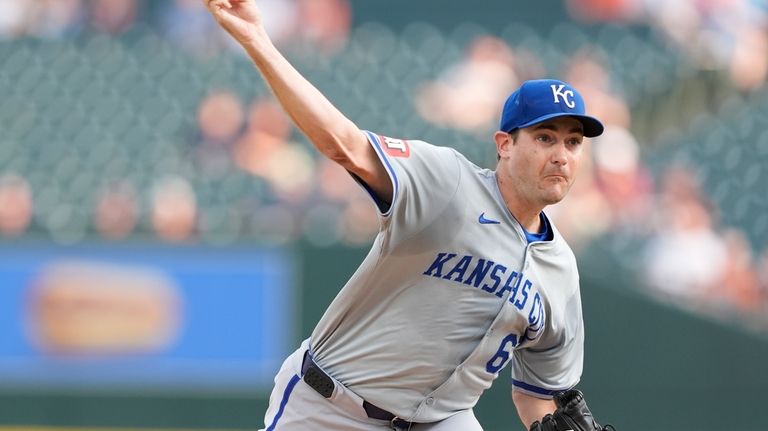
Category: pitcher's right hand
[240,18]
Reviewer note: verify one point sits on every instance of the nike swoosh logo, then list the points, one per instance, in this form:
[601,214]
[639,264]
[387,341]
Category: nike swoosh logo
[484,220]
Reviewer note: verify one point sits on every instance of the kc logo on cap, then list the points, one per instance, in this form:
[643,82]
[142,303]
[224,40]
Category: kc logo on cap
[567,95]
[543,99]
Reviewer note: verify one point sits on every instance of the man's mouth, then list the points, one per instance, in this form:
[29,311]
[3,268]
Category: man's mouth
[557,177]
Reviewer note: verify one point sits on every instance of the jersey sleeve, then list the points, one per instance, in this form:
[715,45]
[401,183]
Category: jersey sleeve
[555,363]
[424,177]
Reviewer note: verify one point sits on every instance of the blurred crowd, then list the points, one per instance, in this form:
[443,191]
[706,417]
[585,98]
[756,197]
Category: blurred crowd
[323,23]
[310,198]
[715,34]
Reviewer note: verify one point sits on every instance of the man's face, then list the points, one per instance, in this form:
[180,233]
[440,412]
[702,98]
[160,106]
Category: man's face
[543,159]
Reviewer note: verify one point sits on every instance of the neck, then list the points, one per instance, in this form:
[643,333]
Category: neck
[524,211]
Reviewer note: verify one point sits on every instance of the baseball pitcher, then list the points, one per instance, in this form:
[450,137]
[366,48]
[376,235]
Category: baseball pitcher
[466,275]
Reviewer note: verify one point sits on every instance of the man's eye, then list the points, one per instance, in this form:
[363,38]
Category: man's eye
[575,141]
[543,138]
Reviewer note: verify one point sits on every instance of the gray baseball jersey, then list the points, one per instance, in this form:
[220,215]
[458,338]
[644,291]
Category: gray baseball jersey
[450,292]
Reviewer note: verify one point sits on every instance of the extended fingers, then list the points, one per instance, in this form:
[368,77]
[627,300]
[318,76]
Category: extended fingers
[218,4]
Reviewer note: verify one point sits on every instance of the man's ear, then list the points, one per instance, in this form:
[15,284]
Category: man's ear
[503,143]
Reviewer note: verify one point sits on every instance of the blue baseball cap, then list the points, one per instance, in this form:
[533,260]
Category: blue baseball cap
[543,99]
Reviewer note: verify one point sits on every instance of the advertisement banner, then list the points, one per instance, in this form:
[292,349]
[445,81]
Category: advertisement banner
[145,317]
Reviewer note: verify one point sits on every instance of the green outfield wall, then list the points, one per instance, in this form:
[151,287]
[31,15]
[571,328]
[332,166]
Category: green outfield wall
[649,366]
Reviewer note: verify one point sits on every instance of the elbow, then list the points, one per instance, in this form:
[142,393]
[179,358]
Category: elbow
[530,408]
[517,398]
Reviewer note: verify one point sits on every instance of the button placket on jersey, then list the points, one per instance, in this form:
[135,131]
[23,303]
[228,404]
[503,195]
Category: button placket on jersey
[498,321]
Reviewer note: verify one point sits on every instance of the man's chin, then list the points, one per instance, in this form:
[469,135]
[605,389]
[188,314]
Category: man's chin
[554,197]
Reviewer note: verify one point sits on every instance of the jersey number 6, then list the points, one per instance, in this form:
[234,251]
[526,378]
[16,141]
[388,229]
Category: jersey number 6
[500,359]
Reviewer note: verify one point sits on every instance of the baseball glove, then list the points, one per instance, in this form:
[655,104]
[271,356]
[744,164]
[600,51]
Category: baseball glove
[572,414]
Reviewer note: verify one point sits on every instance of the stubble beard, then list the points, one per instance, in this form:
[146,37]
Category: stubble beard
[556,194]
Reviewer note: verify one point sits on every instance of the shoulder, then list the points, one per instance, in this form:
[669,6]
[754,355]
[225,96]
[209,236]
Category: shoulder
[415,153]
[404,148]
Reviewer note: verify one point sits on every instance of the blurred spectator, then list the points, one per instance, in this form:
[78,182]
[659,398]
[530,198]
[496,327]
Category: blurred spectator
[291,173]
[57,18]
[335,183]
[14,17]
[268,129]
[725,35]
[281,19]
[586,71]
[174,209]
[762,277]
[739,286]
[621,178]
[604,10]
[325,23]
[188,24]
[469,94]
[733,33]
[679,22]
[44,18]
[15,205]
[113,16]
[749,61]
[220,117]
[347,213]
[685,257]
[265,150]
[116,211]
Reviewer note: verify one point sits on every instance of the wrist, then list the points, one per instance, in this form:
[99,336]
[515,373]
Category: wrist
[256,41]
[255,36]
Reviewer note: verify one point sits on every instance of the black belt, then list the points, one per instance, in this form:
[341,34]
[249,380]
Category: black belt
[323,385]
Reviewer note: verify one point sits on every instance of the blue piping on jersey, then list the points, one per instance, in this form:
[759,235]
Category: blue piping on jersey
[380,204]
[535,389]
[286,394]
[374,139]
[546,235]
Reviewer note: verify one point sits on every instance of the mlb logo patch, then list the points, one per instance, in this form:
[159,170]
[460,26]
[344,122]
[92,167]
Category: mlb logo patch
[395,147]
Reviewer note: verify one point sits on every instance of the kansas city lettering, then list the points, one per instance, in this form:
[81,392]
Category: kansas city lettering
[487,275]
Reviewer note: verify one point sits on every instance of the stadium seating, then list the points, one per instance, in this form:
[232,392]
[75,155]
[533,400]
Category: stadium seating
[79,114]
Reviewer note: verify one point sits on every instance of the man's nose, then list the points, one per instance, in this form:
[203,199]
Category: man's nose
[559,154]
